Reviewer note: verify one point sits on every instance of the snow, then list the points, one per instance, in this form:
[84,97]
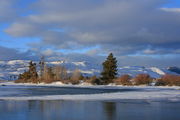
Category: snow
[57,83]
[56,62]
[157,70]
[2,62]
[143,92]
[12,62]
[152,71]
[79,63]
[106,96]
[87,72]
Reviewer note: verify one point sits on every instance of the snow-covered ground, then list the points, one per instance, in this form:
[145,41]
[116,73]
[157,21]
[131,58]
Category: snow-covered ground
[151,93]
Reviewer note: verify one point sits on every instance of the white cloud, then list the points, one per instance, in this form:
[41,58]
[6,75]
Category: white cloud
[171,9]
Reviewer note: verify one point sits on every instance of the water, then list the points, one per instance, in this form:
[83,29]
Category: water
[81,110]
[20,91]
[84,110]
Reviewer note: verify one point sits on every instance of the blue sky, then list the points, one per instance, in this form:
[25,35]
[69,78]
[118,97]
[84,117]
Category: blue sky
[174,3]
[143,30]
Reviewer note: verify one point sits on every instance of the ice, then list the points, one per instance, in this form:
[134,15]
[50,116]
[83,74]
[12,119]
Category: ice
[174,96]
[144,92]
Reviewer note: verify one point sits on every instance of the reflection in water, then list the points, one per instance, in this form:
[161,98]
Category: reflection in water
[110,110]
[84,110]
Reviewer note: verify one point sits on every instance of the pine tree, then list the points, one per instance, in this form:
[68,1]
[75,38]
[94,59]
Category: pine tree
[30,75]
[32,70]
[109,69]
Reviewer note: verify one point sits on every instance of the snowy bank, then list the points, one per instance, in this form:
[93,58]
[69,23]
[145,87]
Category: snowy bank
[144,92]
[151,95]
[88,85]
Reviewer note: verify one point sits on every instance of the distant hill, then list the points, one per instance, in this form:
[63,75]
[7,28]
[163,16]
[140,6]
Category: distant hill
[174,69]
[9,70]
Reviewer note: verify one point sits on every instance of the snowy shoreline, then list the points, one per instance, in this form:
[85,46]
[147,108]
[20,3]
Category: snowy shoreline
[148,92]
[87,85]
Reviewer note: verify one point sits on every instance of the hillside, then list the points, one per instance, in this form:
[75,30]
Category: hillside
[9,70]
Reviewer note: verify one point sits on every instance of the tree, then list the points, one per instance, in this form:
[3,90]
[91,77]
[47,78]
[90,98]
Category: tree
[48,75]
[109,69]
[30,75]
[32,70]
[60,73]
[75,76]
[95,81]
[42,65]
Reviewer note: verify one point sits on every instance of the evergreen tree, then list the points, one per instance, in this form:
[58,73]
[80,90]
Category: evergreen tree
[30,75]
[109,69]
[32,70]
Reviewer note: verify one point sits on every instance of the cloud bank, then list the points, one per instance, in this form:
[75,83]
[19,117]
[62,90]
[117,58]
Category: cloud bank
[141,28]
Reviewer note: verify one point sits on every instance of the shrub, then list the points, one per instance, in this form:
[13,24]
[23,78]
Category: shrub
[74,81]
[75,77]
[141,79]
[168,80]
[123,80]
[95,80]
[160,82]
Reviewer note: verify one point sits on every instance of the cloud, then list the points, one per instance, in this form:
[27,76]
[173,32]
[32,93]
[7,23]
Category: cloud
[149,61]
[171,9]
[6,12]
[14,54]
[52,55]
[124,27]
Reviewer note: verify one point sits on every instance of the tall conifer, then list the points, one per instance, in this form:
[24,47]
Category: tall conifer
[109,69]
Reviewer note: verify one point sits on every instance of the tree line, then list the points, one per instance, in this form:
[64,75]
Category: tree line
[48,74]
[109,74]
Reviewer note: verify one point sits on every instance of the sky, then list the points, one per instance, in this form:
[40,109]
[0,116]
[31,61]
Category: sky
[137,32]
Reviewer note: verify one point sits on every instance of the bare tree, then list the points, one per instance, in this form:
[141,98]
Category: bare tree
[60,73]
[75,76]
[42,65]
[45,77]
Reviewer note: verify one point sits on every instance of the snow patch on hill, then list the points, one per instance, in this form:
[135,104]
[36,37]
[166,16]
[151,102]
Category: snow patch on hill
[157,70]
[152,71]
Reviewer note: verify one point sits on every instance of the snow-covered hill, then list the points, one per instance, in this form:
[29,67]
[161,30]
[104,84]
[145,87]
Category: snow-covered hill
[152,71]
[9,70]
